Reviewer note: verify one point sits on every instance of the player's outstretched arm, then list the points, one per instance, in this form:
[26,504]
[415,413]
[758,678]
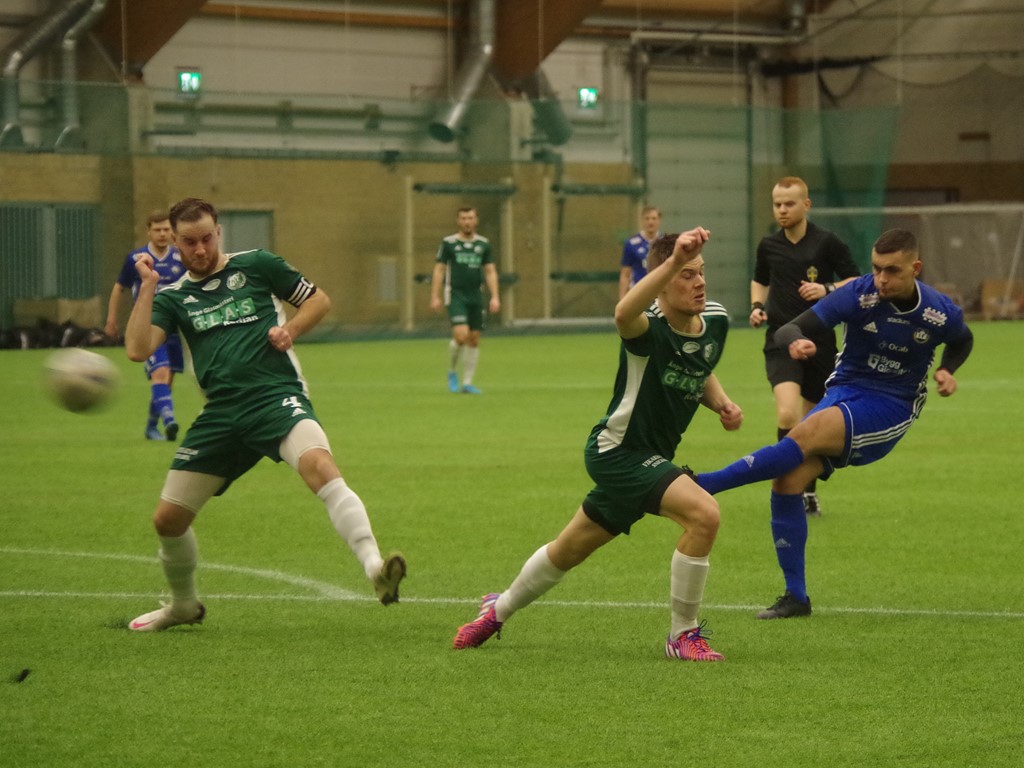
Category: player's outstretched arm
[630,319]
[113,307]
[715,398]
[436,284]
[954,355]
[141,337]
[491,279]
[309,313]
[794,335]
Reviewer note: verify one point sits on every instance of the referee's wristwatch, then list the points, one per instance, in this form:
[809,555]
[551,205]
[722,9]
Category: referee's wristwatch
[829,288]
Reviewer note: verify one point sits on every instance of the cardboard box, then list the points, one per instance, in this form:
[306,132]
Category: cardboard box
[998,303]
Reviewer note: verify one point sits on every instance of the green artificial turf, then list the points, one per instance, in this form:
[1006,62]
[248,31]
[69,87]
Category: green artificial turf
[910,659]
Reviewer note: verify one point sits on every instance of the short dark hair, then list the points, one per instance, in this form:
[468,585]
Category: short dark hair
[895,240]
[155,217]
[466,209]
[661,249]
[191,209]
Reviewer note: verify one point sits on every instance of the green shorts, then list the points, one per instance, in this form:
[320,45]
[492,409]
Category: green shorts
[463,312]
[229,438]
[630,484]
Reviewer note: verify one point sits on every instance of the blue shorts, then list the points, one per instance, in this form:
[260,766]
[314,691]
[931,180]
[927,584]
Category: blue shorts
[875,422]
[167,355]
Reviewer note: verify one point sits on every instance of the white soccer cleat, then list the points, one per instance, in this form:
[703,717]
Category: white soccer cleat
[166,617]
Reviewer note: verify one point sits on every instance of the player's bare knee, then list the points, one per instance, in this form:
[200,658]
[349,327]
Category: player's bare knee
[171,520]
[703,518]
[306,450]
[317,468]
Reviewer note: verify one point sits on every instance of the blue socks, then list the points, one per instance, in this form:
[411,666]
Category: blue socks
[763,464]
[161,403]
[789,530]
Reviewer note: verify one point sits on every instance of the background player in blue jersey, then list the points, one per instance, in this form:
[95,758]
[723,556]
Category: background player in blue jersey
[633,264]
[672,338]
[894,323]
[795,267]
[168,359]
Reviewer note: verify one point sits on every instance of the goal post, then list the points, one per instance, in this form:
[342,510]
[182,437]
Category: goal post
[971,251]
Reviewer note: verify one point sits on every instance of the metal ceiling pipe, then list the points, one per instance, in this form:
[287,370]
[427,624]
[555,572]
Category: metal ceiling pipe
[36,36]
[684,37]
[71,134]
[444,127]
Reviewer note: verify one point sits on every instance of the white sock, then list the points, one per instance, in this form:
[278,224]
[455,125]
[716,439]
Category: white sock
[178,555]
[469,364]
[454,350]
[689,574]
[352,523]
[537,576]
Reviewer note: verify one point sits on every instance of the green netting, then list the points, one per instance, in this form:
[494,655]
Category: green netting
[360,194]
[842,155]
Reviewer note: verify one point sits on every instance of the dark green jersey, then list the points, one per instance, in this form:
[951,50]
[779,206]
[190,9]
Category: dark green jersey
[464,261]
[225,318]
[660,383]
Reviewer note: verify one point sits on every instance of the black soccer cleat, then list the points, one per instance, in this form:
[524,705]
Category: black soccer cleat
[786,607]
[812,507]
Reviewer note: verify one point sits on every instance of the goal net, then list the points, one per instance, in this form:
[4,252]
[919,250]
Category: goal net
[971,252]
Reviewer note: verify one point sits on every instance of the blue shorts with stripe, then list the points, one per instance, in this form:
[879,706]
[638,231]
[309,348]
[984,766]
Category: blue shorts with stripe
[167,355]
[875,422]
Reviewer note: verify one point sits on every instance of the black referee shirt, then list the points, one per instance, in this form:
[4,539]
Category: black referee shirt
[819,257]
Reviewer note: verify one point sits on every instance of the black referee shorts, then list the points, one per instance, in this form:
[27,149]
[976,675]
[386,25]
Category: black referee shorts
[809,374]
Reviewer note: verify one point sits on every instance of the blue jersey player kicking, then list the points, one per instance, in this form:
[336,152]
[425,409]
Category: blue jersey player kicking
[168,359]
[894,323]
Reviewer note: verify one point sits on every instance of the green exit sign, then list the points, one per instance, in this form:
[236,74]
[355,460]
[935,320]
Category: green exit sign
[190,82]
[587,97]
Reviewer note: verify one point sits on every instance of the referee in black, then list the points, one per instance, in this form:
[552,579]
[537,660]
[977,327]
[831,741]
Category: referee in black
[795,267]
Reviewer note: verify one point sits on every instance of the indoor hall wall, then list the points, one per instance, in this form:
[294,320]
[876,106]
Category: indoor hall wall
[263,57]
[336,221]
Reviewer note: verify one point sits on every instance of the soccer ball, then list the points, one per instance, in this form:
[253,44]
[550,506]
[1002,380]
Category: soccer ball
[80,380]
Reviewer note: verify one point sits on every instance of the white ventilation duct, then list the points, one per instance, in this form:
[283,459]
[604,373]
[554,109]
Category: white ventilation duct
[444,127]
[71,134]
[36,36]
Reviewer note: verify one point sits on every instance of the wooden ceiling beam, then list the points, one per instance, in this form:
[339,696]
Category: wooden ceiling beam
[133,31]
[528,30]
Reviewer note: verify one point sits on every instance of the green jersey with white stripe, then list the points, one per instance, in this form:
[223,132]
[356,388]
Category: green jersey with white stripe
[464,261]
[225,318]
[660,383]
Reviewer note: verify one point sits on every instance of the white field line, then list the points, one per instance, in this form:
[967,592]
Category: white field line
[325,592]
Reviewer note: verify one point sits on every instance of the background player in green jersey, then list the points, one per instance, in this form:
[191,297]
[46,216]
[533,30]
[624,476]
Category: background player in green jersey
[228,308]
[464,261]
[672,337]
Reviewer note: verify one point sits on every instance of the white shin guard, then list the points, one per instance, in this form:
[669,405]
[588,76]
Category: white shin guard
[689,574]
[350,520]
[179,555]
[537,576]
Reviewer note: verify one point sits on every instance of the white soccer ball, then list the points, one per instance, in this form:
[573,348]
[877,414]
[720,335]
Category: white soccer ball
[80,380]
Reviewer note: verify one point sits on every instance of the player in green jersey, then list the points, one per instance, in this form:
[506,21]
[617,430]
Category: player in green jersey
[228,309]
[464,260]
[672,338]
